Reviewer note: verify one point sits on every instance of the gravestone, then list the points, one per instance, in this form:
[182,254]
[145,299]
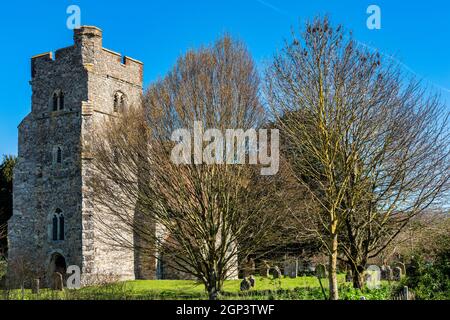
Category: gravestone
[397,274]
[321,271]
[245,284]
[265,269]
[35,286]
[372,277]
[406,294]
[251,279]
[276,272]
[349,276]
[290,268]
[390,275]
[248,267]
[386,273]
[58,283]
[402,266]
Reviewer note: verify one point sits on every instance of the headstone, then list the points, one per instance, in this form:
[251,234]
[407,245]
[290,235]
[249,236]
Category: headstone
[245,284]
[390,275]
[290,268]
[251,279]
[372,277]
[265,269]
[58,283]
[35,286]
[349,276]
[402,266]
[397,274]
[276,272]
[406,293]
[321,271]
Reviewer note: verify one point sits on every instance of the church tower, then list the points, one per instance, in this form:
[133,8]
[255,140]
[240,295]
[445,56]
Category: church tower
[52,225]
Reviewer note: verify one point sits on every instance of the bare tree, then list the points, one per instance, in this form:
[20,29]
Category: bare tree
[404,175]
[198,216]
[299,94]
[399,146]
[369,145]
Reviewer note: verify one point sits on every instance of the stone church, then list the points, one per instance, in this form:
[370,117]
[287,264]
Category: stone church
[52,225]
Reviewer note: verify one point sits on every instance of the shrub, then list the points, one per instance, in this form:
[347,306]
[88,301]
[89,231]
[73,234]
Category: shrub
[430,280]
[350,293]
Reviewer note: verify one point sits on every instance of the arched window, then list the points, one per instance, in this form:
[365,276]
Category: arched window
[61,227]
[55,227]
[58,155]
[58,100]
[55,102]
[58,225]
[61,100]
[119,101]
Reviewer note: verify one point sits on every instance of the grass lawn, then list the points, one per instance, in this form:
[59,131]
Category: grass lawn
[230,286]
[301,288]
[188,287]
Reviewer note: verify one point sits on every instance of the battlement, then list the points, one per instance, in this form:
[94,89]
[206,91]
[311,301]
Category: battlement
[87,34]
[44,57]
[125,60]
[87,50]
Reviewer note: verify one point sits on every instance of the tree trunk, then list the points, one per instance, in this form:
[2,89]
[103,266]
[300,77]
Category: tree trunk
[358,273]
[358,277]
[213,291]
[213,286]
[332,268]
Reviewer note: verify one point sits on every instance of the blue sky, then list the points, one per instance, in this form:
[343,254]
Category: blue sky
[416,32]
